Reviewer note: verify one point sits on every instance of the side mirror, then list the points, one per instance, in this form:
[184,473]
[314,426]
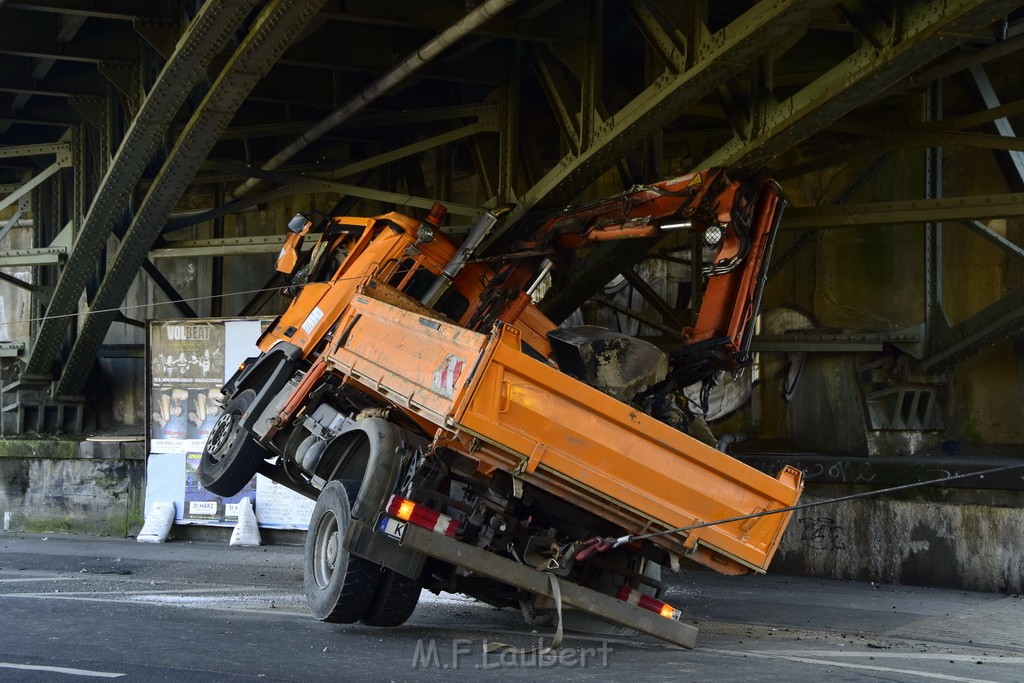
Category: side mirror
[288,257]
[299,224]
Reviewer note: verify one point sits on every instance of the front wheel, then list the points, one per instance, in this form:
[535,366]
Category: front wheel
[230,456]
[340,587]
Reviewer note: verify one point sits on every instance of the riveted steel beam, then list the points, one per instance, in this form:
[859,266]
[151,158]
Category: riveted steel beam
[368,120]
[850,342]
[711,59]
[561,98]
[667,41]
[437,16]
[479,15]
[977,333]
[375,120]
[1002,125]
[904,212]
[668,314]
[995,238]
[276,27]
[508,139]
[302,184]
[894,136]
[34,182]
[162,34]
[960,61]
[718,58]
[638,316]
[987,115]
[58,148]
[482,126]
[45,256]
[924,30]
[800,240]
[590,70]
[223,246]
[6,225]
[206,34]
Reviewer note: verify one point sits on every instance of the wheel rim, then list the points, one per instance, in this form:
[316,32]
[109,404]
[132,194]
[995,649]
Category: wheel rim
[326,551]
[220,436]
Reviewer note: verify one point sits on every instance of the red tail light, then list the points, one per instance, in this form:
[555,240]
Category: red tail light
[635,597]
[422,516]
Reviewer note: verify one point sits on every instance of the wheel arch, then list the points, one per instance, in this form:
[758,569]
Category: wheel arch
[390,446]
[258,369]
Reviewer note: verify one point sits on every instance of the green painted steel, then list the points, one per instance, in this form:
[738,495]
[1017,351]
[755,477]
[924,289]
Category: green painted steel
[275,29]
[212,27]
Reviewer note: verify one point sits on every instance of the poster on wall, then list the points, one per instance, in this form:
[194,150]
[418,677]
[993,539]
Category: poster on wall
[189,361]
[187,371]
[200,504]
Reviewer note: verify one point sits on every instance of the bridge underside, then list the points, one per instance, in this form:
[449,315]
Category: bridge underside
[139,139]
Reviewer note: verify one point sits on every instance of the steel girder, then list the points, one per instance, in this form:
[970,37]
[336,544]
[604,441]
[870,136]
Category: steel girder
[1002,125]
[993,237]
[977,333]
[922,31]
[925,30]
[713,60]
[913,211]
[62,161]
[205,36]
[716,59]
[294,184]
[275,29]
[479,15]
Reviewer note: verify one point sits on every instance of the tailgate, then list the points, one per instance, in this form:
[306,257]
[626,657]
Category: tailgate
[415,361]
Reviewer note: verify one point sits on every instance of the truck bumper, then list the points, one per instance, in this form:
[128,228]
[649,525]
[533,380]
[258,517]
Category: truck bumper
[489,565]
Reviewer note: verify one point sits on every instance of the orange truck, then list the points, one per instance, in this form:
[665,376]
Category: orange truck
[456,439]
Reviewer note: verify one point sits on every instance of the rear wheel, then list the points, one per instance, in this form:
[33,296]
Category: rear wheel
[395,600]
[340,587]
[230,456]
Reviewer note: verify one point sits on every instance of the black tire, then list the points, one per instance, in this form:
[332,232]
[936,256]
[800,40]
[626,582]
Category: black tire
[396,597]
[230,455]
[339,586]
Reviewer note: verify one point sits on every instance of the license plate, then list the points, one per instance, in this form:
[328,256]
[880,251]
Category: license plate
[392,527]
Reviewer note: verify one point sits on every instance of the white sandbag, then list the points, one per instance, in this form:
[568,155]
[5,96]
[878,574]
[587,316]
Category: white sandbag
[158,523]
[246,531]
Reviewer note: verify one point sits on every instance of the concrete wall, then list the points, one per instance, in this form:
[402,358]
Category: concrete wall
[69,486]
[972,540]
[872,279]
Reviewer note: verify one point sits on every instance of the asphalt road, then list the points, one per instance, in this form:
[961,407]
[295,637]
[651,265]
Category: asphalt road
[74,608]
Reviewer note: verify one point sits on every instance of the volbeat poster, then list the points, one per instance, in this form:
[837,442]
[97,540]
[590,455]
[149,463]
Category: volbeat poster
[187,368]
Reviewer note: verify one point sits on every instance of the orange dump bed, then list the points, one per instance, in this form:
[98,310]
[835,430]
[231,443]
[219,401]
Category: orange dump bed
[549,430]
